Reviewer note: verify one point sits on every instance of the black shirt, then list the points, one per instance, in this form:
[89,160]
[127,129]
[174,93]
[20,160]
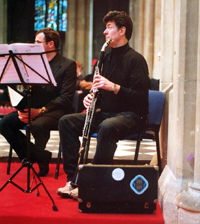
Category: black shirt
[128,68]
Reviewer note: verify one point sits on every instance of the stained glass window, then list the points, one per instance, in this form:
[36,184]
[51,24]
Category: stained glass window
[51,13]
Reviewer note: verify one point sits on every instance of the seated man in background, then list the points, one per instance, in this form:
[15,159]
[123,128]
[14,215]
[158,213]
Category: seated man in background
[123,85]
[85,86]
[87,81]
[79,68]
[48,105]
[4,97]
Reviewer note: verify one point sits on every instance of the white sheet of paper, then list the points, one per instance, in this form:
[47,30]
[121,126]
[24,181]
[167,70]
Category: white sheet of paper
[15,97]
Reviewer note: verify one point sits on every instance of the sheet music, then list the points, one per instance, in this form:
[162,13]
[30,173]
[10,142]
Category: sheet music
[15,97]
[34,61]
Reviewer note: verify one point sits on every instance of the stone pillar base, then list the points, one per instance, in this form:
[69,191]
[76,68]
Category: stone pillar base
[190,199]
[168,189]
[189,205]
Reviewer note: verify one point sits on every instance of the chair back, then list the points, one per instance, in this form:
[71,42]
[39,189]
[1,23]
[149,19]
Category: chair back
[156,108]
[75,102]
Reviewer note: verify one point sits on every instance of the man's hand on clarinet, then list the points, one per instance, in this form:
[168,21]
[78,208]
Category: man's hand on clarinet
[101,82]
[87,100]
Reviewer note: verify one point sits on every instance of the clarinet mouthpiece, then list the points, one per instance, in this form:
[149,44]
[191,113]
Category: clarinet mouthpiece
[106,44]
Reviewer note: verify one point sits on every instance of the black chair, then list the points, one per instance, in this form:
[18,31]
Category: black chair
[75,109]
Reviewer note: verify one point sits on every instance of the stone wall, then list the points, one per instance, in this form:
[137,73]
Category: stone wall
[3,22]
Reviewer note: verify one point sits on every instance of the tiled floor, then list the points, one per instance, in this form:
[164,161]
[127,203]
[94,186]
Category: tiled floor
[125,149]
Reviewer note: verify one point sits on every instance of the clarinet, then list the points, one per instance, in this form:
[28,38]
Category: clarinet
[88,119]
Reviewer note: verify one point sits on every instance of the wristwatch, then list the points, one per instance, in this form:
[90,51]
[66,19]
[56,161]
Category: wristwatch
[114,87]
[42,110]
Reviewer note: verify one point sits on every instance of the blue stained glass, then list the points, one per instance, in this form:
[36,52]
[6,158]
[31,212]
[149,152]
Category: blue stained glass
[40,9]
[50,9]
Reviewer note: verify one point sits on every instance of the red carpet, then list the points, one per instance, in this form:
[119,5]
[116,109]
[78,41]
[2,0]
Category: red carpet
[18,207]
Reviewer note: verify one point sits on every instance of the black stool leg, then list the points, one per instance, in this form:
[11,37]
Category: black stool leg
[9,160]
[158,153]
[58,163]
[139,138]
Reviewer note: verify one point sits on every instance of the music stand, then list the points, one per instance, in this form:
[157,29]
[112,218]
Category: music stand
[28,164]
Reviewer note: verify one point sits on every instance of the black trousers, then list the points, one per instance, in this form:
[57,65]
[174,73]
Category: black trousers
[110,129]
[10,127]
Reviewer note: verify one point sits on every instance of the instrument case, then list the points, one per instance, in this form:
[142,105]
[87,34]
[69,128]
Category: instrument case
[117,189]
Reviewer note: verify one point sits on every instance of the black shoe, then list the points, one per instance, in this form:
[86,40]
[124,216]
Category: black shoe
[44,165]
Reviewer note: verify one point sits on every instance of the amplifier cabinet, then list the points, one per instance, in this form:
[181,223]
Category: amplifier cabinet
[117,189]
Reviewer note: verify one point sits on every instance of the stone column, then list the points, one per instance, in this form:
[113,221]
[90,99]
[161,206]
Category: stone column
[149,33]
[182,111]
[89,37]
[70,41]
[157,41]
[167,48]
[142,15]
[166,68]
[3,22]
[77,35]
[80,30]
[190,200]
[136,12]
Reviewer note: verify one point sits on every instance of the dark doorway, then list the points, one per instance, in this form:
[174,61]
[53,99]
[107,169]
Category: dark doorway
[101,8]
[20,21]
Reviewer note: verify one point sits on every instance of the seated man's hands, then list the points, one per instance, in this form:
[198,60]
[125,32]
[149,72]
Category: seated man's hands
[23,116]
[85,85]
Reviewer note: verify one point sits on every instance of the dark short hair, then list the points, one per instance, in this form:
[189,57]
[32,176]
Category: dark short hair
[50,34]
[121,19]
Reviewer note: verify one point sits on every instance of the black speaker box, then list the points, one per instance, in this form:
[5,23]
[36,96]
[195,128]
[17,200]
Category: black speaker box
[117,189]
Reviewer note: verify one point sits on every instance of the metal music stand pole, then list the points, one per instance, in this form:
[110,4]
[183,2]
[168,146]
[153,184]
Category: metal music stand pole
[28,164]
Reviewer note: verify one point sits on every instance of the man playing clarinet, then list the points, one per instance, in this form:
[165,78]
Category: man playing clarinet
[123,87]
